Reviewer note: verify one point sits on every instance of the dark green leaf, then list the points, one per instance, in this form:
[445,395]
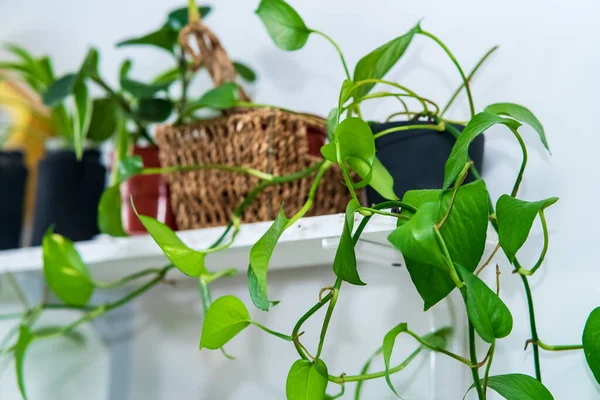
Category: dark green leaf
[25,339]
[388,346]
[377,63]
[519,387]
[143,90]
[515,218]
[244,71]
[487,312]
[164,38]
[154,110]
[104,120]
[307,380]
[58,90]
[90,64]
[178,18]
[260,254]
[221,98]
[460,152]
[64,270]
[125,69]
[357,146]
[284,25]
[83,114]
[591,342]
[129,167]
[522,114]
[224,319]
[109,213]
[344,263]
[188,261]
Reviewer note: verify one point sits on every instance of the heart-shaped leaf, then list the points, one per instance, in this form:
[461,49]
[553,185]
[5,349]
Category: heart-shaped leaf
[244,71]
[460,151]
[130,166]
[284,25]
[344,263]
[487,312]
[65,272]
[224,319]
[515,218]
[306,380]
[59,90]
[591,342]
[143,90]
[357,146]
[103,122]
[164,38]
[25,339]
[109,212]
[522,114]
[154,110]
[388,346]
[519,387]
[377,63]
[260,255]
[188,261]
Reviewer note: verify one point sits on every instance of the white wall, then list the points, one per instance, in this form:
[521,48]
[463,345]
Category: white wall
[548,61]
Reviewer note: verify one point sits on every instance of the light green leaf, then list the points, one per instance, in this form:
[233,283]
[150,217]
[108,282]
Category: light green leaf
[129,167]
[224,319]
[388,345]
[328,151]
[244,71]
[284,25]
[103,122]
[591,342]
[377,63]
[25,339]
[307,380]
[522,114]
[167,77]
[143,90]
[487,312]
[47,70]
[221,98]
[260,255]
[178,18]
[109,212]
[58,90]
[515,218]
[519,387]
[188,261]
[460,152]
[344,263]
[357,146]
[154,110]
[64,270]
[90,64]
[164,38]
[382,181]
[83,108]
[126,68]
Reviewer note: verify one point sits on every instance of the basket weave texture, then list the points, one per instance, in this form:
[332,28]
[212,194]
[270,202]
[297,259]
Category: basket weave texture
[269,140]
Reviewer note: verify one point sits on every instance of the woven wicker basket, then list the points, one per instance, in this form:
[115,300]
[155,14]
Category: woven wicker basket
[269,140]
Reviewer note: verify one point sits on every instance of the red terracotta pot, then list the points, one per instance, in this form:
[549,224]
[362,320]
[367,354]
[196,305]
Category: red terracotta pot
[150,195]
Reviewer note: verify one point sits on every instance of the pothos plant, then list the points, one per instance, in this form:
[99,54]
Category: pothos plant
[441,234]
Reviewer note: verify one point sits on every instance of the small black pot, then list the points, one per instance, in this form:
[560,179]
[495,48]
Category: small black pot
[416,158]
[13,179]
[68,193]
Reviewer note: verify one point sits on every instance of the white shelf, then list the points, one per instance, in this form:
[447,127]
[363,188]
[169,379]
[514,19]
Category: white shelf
[310,242]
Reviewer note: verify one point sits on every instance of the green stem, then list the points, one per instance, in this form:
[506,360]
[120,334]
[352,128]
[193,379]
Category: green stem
[213,277]
[565,347]
[12,281]
[272,332]
[534,334]
[127,279]
[398,96]
[540,260]
[364,371]
[337,48]
[486,375]
[387,214]
[451,269]
[474,368]
[438,127]
[334,296]
[477,66]
[220,167]
[459,181]
[460,70]
[396,85]
[184,80]
[523,163]
[463,360]
[302,320]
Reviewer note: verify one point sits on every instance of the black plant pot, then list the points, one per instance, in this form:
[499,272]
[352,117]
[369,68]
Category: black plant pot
[67,196]
[13,178]
[416,158]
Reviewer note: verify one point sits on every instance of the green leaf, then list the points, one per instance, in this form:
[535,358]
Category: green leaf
[82,118]
[143,90]
[344,263]
[260,254]
[154,110]
[515,218]
[439,338]
[177,19]
[167,77]
[109,212]
[284,25]
[125,69]
[487,312]
[332,123]
[460,152]
[129,167]
[103,122]
[187,260]
[382,181]
[388,345]
[64,270]
[224,319]
[307,380]
[591,342]
[377,63]
[519,387]
[25,339]
[45,65]
[522,114]
[59,90]
[357,146]
[464,233]
[221,98]
[245,71]
[328,151]
[90,64]
[164,38]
